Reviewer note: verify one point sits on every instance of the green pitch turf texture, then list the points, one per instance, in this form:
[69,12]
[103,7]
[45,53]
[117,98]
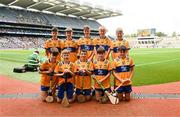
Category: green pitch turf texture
[153,66]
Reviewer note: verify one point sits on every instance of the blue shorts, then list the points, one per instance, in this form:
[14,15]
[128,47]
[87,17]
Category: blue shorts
[44,88]
[125,89]
[85,92]
[69,90]
[102,91]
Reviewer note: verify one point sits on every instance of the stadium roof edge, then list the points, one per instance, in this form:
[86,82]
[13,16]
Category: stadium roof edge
[67,7]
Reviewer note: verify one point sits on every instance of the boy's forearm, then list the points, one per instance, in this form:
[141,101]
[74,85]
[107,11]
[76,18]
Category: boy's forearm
[79,50]
[108,52]
[88,72]
[115,75]
[58,74]
[43,72]
[95,52]
[91,56]
[131,73]
[71,73]
[105,77]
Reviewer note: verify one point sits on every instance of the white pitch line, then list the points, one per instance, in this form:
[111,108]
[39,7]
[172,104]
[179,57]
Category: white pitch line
[155,52]
[157,62]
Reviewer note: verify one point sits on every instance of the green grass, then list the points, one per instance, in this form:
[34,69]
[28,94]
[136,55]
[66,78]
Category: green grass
[10,59]
[162,71]
[165,69]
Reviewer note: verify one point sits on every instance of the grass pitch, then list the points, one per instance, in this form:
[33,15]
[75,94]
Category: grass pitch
[153,66]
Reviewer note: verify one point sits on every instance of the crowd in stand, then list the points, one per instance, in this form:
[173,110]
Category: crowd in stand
[21,42]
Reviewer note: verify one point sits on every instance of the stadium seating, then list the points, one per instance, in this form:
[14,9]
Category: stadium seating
[21,42]
[169,42]
[23,23]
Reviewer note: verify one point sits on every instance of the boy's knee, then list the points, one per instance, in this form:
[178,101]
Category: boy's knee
[74,97]
[103,99]
[58,100]
[88,98]
[43,96]
[97,95]
[70,100]
[43,99]
[127,97]
[120,96]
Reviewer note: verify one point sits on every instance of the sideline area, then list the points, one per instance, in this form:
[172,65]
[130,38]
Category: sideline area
[21,98]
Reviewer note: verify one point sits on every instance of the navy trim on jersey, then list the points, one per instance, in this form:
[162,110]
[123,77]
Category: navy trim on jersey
[66,75]
[101,72]
[125,68]
[115,49]
[71,49]
[87,47]
[106,47]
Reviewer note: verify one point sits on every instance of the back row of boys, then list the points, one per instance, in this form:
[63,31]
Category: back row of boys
[87,49]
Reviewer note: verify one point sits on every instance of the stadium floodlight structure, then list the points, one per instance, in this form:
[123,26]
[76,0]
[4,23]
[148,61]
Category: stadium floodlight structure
[67,7]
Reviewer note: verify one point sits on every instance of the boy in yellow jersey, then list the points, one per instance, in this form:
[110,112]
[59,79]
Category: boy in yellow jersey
[86,43]
[53,42]
[118,42]
[47,69]
[83,76]
[101,70]
[70,44]
[103,41]
[123,70]
[65,69]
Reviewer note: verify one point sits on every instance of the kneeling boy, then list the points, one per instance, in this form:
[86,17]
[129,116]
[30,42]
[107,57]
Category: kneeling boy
[83,76]
[47,69]
[64,70]
[102,71]
[123,69]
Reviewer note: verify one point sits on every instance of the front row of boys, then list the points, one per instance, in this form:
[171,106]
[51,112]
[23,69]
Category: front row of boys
[78,75]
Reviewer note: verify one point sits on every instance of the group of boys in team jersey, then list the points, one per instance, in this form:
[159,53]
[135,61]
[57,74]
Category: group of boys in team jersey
[76,65]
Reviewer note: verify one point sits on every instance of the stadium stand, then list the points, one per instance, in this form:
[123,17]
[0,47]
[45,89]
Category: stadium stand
[169,42]
[21,42]
[15,25]
[22,21]
[41,23]
[159,42]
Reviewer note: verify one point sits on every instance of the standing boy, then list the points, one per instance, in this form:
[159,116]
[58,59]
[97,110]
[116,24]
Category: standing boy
[103,41]
[86,43]
[70,45]
[53,42]
[118,42]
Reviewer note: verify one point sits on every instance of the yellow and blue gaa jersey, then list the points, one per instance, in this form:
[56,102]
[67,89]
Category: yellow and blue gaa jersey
[105,43]
[83,79]
[72,46]
[100,70]
[51,44]
[45,78]
[61,66]
[122,67]
[115,45]
[86,44]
